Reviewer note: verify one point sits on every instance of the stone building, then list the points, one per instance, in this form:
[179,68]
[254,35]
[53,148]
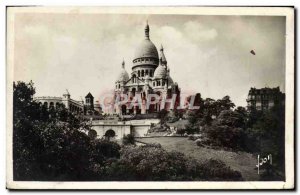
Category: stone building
[150,75]
[264,98]
[72,105]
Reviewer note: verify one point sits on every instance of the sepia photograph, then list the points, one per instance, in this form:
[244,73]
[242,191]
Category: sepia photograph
[150,98]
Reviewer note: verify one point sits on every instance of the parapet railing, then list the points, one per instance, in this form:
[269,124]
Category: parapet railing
[47,98]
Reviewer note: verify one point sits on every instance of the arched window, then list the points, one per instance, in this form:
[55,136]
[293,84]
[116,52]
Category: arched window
[46,104]
[151,73]
[163,83]
[119,86]
[142,73]
[139,73]
[146,72]
[134,78]
[154,84]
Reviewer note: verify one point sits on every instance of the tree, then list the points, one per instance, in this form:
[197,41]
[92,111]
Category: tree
[227,130]
[193,122]
[208,110]
[223,104]
[269,131]
[46,142]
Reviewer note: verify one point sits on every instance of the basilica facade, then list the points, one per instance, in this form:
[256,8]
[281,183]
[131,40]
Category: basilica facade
[150,75]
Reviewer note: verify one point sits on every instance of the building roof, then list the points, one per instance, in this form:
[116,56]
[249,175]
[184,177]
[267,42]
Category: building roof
[89,95]
[266,90]
[123,76]
[146,48]
[160,72]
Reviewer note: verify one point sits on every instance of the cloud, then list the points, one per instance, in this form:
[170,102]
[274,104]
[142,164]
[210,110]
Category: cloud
[206,55]
[198,32]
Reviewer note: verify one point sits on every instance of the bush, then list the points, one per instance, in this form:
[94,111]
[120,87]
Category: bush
[191,137]
[180,131]
[199,142]
[155,145]
[220,171]
[148,163]
[92,134]
[104,149]
[128,139]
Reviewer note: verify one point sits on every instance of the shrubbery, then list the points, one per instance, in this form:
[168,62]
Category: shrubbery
[181,131]
[151,163]
[199,142]
[255,131]
[128,139]
[191,137]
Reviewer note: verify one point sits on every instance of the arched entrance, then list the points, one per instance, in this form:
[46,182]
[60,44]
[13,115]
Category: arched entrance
[109,134]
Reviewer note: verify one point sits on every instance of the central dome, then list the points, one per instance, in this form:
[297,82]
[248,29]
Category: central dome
[146,53]
[146,49]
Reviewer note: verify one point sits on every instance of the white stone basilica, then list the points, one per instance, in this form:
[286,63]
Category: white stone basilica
[150,75]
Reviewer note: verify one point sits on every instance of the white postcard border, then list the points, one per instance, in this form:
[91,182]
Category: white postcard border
[261,11]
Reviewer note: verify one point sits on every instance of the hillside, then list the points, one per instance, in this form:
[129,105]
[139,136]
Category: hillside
[239,161]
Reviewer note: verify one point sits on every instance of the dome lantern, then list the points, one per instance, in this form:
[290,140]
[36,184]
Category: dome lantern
[123,64]
[147,30]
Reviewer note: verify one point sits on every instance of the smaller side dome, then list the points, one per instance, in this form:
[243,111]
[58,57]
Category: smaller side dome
[170,80]
[160,72]
[123,76]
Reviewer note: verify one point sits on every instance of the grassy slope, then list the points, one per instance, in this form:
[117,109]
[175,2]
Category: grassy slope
[240,161]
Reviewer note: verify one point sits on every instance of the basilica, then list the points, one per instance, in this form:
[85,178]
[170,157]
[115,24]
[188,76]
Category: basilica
[150,75]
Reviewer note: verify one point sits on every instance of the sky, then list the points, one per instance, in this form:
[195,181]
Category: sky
[206,54]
